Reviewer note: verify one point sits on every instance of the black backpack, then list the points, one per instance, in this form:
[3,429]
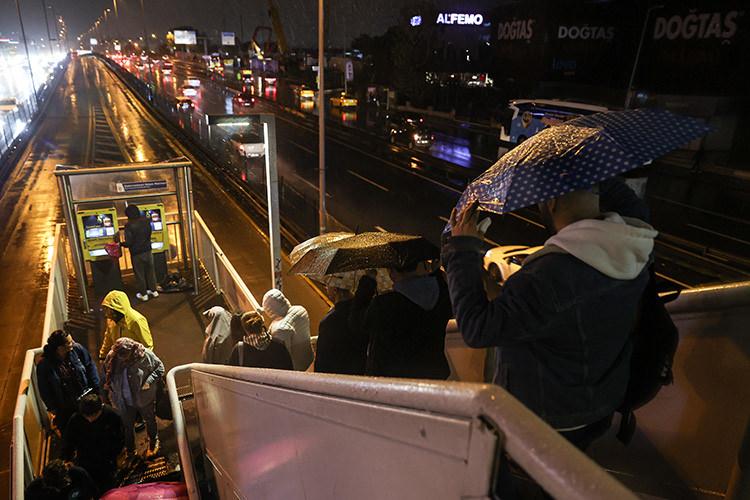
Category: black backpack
[654,343]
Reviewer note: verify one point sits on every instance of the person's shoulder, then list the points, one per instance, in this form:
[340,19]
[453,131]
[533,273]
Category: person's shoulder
[297,310]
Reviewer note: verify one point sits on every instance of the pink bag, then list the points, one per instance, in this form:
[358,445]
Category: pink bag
[113,250]
[161,491]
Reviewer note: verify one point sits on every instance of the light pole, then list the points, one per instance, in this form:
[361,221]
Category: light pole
[26,48]
[46,25]
[321,123]
[629,94]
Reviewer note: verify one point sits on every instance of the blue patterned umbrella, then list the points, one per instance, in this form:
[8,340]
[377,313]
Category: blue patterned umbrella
[578,154]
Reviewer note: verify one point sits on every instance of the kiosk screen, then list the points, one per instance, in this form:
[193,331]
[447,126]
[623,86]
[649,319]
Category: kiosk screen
[154,216]
[98,226]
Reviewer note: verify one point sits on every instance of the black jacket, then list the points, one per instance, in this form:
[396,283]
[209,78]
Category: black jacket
[407,339]
[342,341]
[560,327]
[274,356]
[81,487]
[138,236]
[99,441]
[50,386]
[340,348]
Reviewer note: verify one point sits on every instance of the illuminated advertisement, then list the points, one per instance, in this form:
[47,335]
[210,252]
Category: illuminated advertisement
[227,37]
[185,37]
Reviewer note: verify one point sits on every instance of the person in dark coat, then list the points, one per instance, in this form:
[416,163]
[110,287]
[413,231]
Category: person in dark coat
[65,373]
[138,241]
[342,342]
[61,480]
[257,348]
[561,324]
[406,327]
[93,440]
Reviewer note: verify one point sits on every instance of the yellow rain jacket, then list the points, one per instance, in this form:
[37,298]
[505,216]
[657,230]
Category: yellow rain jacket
[133,325]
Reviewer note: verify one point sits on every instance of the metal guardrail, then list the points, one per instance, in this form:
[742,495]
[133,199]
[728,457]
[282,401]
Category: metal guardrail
[223,275]
[330,406]
[30,421]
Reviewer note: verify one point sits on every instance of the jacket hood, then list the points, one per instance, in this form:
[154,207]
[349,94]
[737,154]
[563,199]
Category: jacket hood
[615,246]
[220,325]
[118,301]
[422,290]
[275,303]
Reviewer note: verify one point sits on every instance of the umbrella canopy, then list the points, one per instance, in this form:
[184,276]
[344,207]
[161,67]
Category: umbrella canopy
[314,242]
[365,251]
[578,154]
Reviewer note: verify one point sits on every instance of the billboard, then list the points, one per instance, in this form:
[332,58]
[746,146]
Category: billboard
[185,37]
[227,37]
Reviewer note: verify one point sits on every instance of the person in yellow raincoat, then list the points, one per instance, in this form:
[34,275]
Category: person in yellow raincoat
[123,321]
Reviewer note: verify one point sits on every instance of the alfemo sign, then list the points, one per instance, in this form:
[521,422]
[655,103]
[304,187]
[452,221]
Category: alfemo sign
[455,18]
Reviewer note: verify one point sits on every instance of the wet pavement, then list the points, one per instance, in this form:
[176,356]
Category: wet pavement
[93,120]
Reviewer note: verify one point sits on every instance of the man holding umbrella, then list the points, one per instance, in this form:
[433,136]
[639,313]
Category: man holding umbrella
[561,324]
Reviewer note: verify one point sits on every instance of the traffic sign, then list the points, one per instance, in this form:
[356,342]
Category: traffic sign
[349,71]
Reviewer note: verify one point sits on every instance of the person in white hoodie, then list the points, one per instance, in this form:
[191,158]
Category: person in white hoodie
[291,325]
[561,324]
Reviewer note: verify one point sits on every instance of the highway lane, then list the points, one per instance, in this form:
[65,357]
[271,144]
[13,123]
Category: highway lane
[29,210]
[374,185]
[93,120]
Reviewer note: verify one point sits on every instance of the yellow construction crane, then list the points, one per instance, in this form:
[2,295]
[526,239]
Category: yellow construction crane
[278,28]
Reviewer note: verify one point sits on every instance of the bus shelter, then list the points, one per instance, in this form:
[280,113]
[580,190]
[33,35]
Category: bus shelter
[94,201]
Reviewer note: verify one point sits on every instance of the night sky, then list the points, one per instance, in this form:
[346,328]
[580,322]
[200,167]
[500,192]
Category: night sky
[348,18]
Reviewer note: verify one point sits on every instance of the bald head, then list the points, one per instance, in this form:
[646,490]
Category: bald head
[569,208]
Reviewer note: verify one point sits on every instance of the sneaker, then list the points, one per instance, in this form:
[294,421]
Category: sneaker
[142,297]
[154,294]
[153,447]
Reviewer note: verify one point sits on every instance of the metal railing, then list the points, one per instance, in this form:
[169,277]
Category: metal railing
[30,421]
[13,122]
[451,433]
[220,270]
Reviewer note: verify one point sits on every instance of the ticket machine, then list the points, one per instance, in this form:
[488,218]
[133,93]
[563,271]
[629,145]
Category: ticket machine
[154,212]
[97,227]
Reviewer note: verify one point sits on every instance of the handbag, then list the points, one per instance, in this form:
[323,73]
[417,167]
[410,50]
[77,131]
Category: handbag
[113,249]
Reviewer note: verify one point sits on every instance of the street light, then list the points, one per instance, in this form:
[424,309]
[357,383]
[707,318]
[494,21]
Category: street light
[321,124]
[629,94]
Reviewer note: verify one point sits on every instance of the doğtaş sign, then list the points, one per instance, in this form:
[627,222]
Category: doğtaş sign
[699,25]
[522,29]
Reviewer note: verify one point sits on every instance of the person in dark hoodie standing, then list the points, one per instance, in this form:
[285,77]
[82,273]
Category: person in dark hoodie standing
[406,327]
[342,342]
[93,440]
[138,241]
[65,373]
[561,324]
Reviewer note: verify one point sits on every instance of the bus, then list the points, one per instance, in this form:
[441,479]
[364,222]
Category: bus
[526,117]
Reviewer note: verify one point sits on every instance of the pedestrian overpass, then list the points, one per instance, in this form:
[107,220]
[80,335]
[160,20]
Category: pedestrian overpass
[244,432]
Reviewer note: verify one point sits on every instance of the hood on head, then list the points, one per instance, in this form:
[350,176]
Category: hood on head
[117,301]
[422,290]
[615,246]
[275,303]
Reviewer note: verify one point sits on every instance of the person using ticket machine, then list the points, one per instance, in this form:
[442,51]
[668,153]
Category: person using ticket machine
[138,241]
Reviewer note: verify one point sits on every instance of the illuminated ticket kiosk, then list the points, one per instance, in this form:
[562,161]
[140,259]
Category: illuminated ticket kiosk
[94,197]
[155,214]
[98,227]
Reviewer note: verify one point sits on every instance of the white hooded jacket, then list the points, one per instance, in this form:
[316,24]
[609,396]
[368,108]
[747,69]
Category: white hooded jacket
[616,246]
[291,326]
